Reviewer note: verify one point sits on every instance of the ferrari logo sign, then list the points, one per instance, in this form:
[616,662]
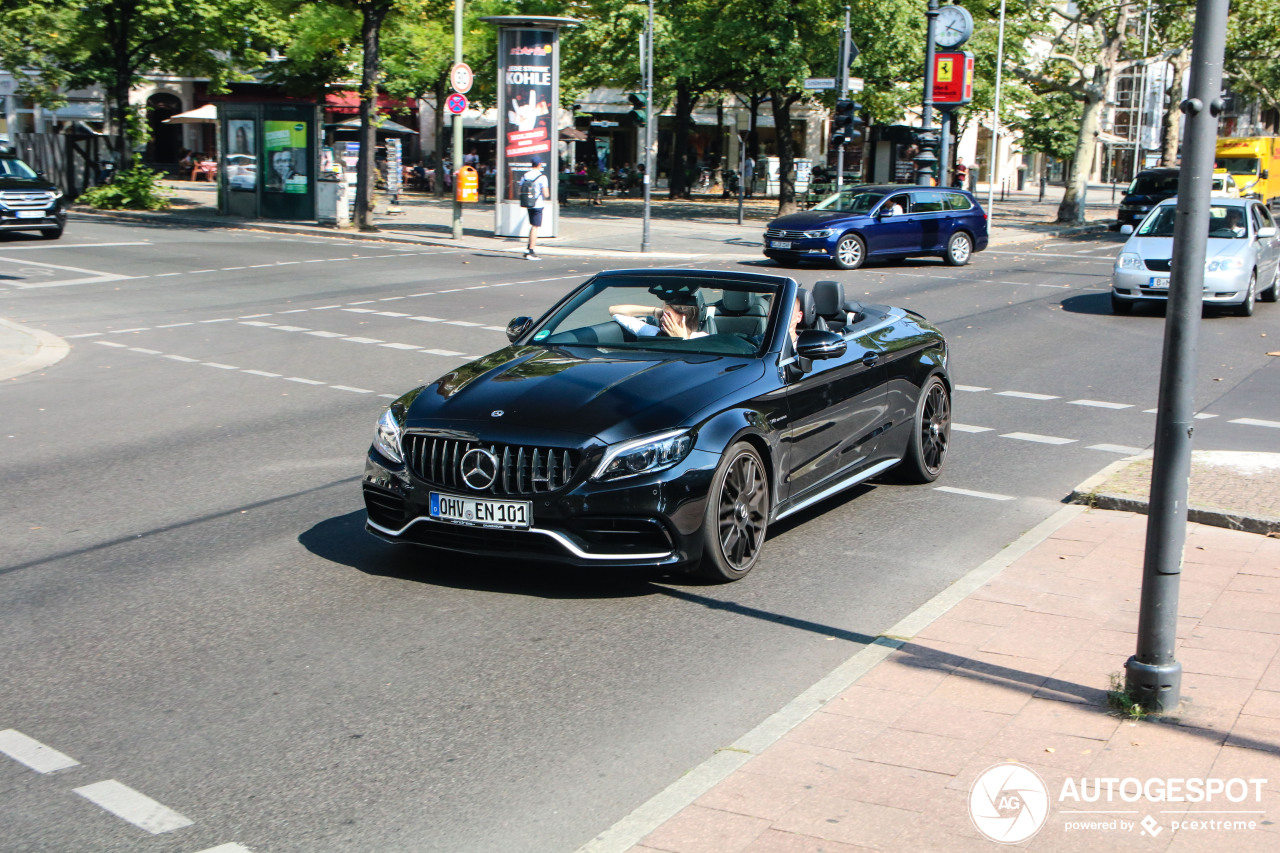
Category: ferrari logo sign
[952,78]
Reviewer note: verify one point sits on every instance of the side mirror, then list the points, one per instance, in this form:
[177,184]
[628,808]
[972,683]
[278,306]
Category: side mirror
[1269,231]
[887,210]
[518,327]
[815,345]
[1126,229]
[1265,174]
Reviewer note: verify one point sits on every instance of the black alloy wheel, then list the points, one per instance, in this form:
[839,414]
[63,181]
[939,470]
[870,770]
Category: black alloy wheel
[851,252]
[959,249]
[1245,309]
[931,434]
[736,519]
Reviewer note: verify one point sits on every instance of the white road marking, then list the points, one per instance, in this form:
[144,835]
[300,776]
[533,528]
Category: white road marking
[145,351]
[127,804]
[34,754]
[219,365]
[462,323]
[197,272]
[110,344]
[1099,404]
[94,276]
[295,311]
[1042,255]
[968,428]
[495,328]
[971,388]
[425,319]
[1256,422]
[256,323]
[229,269]
[364,302]
[74,246]
[303,381]
[1039,439]
[262,373]
[402,346]
[85,335]
[127,331]
[182,358]
[222,320]
[991,496]
[440,352]
[1026,395]
[1116,448]
[354,390]
[166,274]
[360,310]
[389,396]
[291,329]
[320,334]
[363,340]
[228,848]
[390,314]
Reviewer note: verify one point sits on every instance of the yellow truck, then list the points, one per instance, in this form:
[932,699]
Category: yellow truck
[1253,162]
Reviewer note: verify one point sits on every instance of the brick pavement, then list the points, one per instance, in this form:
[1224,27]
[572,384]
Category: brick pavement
[1019,671]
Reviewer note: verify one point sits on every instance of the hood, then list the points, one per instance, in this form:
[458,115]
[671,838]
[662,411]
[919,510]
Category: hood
[812,220]
[30,184]
[580,392]
[1161,248]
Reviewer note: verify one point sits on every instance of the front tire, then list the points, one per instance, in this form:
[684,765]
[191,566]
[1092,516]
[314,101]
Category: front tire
[959,249]
[736,519]
[1245,309]
[930,434]
[1120,306]
[51,233]
[851,252]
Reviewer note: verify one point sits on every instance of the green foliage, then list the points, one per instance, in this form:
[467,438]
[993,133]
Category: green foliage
[1049,123]
[138,188]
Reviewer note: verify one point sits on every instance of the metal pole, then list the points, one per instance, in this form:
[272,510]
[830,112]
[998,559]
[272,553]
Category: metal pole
[457,122]
[993,167]
[650,119]
[926,159]
[944,152]
[843,72]
[1152,676]
[1138,147]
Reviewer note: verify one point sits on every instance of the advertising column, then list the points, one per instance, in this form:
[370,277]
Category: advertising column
[528,105]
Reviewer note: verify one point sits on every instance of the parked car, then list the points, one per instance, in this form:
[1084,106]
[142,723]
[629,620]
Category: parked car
[1243,250]
[1149,188]
[28,200]
[1225,186]
[593,441]
[864,223]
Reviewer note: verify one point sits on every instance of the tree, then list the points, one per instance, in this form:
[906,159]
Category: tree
[52,45]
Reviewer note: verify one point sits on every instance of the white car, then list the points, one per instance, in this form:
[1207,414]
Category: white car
[1243,255]
[1225,186]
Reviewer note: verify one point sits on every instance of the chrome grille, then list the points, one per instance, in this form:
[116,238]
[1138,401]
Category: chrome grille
[782,234]
[26,199]
[522,469]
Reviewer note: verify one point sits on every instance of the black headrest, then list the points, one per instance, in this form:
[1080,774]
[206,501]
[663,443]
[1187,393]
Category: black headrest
[807,308]
[735,301]
[828,298]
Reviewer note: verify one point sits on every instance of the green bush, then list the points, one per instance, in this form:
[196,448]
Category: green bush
[135,189]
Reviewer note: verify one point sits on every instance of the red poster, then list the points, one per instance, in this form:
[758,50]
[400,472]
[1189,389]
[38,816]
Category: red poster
[952,78]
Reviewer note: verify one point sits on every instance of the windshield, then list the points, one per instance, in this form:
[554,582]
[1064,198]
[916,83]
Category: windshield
[1154,185]
[850,200]
[692,314]
[1239,165]
[1225,222]
[12,167]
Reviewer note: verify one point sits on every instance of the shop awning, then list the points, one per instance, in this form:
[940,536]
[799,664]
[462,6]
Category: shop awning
[200,115]
[387,126]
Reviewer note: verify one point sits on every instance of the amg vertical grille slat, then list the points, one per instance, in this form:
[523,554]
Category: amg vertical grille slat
[522,469]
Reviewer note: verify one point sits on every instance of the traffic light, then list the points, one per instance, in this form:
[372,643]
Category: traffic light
[639,108]
[847,124]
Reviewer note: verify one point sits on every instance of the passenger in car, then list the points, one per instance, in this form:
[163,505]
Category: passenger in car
[679,316]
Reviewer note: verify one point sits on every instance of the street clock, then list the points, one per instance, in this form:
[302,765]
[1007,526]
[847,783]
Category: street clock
[954,26]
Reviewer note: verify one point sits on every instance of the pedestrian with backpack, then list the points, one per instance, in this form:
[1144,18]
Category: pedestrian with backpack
[534,191]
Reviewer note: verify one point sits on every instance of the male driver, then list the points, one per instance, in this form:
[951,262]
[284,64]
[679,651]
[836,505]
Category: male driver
[541,192]
[676,318]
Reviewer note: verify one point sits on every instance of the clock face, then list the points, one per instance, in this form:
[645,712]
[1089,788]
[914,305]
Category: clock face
[954,26]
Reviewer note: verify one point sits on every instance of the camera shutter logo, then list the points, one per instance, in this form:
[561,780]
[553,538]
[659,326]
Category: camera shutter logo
[1008,803]
[479,469]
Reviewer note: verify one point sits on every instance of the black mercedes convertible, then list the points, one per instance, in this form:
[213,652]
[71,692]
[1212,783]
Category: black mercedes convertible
[662,418]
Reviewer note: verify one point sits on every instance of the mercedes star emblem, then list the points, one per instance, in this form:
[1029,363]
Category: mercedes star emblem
[479,468]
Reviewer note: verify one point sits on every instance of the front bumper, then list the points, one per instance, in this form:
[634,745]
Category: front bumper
[10,220]
[1225,288]
[812,248]
[652,520]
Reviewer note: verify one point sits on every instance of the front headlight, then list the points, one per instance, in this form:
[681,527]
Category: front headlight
[644,455]
[57,193]
[1224,264]
[820,234]
[386,438]
[1129,261]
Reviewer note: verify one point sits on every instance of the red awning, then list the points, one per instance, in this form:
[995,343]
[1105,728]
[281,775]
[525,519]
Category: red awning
[349,102]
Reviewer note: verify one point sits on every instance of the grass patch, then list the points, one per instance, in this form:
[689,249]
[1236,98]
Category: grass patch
[1121,700]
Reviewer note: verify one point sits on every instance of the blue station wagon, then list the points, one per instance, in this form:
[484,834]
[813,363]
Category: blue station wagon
[864,223]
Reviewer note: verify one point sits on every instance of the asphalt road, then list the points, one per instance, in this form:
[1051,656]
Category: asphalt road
[191,608]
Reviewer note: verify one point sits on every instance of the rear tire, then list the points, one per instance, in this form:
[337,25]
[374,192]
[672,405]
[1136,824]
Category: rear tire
[1269,295]
[930,435]
[736,519]
[959,249]
[851,252]
[1245,309]
[1120,306]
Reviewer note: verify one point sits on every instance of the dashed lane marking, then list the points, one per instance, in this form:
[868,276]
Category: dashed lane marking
[1038,439]
[1116,448]
[968,428]
[34,754]
[1100,404]
[128,804]
[971,388]
[1256,422]
[991,496]
[1026,395]
[228,848]
[1200,416]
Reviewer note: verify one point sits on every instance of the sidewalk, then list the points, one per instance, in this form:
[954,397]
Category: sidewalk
[1011,668]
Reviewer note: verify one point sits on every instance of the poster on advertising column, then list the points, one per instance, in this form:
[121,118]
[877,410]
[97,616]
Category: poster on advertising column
[530,93]
[285,146]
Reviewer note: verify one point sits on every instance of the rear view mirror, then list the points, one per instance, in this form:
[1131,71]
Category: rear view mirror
[518,327]
[1126,229]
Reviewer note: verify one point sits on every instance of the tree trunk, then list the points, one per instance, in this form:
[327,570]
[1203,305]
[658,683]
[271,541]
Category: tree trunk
[1071,210]
[677,180]
[1172,126]
[370,32]
[782,102]
[441,94]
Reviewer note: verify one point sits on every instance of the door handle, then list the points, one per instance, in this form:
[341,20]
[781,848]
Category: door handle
[870,358]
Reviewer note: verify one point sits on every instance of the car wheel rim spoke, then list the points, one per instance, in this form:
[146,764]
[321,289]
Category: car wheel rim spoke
[741,512]
[934,423]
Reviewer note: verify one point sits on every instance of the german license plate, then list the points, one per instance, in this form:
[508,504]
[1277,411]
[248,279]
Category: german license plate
[1158,283]
[480,512]
[30,214]
[779,244]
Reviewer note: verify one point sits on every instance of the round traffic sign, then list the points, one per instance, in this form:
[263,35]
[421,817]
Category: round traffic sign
[456,103]
[462,77]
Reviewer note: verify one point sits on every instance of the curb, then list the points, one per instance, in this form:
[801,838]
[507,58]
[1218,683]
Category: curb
[644,819]
[48,349]
[1090,493]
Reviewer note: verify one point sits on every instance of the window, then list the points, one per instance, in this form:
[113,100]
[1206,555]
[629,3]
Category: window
[955,201]
[928,202]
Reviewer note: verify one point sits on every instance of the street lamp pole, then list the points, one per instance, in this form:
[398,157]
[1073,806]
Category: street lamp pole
[993,161]
[651,116]
[843,71]
[926,159]
[457,122]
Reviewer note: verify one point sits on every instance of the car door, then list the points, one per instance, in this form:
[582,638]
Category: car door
[933,219]
[835,409]
[1268,248]
[896,233]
